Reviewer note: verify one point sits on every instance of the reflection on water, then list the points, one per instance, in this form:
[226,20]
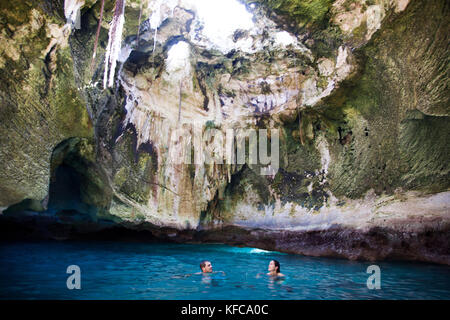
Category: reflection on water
[114,270]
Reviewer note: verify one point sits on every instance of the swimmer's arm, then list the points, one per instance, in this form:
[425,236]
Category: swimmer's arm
[221,272]
[185,275]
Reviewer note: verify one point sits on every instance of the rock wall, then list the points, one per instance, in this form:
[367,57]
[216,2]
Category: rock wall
[356,89]
[40,103]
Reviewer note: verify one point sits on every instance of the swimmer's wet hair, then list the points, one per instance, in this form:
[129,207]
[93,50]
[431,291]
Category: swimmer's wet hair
[203,264]
[277,264]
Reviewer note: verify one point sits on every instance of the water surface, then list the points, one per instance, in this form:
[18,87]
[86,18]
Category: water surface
[124,270]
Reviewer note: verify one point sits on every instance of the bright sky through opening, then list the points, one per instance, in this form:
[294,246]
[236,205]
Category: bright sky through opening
[221,18]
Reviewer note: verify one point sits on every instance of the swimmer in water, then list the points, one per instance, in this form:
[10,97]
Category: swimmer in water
[206,267]
[274,269]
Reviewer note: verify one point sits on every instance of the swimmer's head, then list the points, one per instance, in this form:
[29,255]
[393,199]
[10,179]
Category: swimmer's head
[206,266]
[274,266]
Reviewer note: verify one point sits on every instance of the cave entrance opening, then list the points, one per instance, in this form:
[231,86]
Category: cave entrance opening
[76,189]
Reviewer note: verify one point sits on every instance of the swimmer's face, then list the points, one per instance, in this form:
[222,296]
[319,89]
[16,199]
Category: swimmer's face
[272,267]
[208,267]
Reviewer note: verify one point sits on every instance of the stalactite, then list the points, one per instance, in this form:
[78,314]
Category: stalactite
[155,18]
[154,41]
[114,43]
[301,129]
[97,34]
[139,24]
[72,11]
[179,105]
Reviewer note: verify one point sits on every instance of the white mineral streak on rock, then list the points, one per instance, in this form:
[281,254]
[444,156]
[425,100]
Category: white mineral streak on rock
[343,66]
[359,214]
[322,146]
[156,18]
[160,11]
[114,44]
[250,100]
[326,67]
[58,38]
[312,94]
[401,5]
[414,204]
[72,10]
[122,57]
[124,53]
[291,216]
[374,15]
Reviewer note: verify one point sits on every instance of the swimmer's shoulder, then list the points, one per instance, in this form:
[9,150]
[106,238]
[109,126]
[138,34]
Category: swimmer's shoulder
[279,275]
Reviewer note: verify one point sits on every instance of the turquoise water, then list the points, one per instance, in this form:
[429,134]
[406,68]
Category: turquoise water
[124,270]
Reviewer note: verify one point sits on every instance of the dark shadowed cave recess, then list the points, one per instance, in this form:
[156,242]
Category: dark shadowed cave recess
[77,195]
[77,187]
